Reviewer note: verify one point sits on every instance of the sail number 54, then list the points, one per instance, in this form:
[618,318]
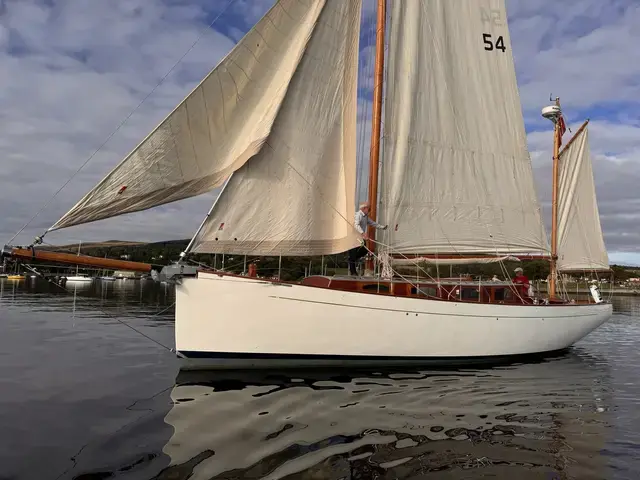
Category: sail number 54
[490,44]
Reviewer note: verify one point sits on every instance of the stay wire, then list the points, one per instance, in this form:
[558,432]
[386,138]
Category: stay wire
[113,317]
[46,204]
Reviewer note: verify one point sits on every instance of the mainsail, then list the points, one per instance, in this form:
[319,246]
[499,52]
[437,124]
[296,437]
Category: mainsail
[580,242]
[456,175]
[295,197]
[222,123]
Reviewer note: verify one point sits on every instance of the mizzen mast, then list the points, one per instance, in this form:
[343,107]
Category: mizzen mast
[554,113]
[374,158]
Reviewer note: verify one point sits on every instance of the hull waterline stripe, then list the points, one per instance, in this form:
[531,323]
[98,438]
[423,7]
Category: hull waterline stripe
[304,356]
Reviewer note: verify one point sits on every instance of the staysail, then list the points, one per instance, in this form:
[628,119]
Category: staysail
[222,123]
[295,197]
[456,173]
[580,241]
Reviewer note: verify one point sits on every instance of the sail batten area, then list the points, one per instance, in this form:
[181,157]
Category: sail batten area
[457,174]
[220,125]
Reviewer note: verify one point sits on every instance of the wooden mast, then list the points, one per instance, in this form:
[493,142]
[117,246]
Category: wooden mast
[575,135]
[31,254]
[374,158]
[554,206]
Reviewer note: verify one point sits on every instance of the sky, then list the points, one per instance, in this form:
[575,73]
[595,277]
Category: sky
[71,71]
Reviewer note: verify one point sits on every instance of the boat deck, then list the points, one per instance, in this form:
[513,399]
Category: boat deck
[465,289]
[448,289]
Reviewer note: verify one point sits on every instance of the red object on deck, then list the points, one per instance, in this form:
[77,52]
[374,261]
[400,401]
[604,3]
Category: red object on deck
[253,270]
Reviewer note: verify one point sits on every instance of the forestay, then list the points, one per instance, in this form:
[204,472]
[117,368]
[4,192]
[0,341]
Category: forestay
[222,123]
[580,242]
[456,175]
[295,197]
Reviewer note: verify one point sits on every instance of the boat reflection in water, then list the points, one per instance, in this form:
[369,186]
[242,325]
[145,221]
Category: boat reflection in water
[537,420]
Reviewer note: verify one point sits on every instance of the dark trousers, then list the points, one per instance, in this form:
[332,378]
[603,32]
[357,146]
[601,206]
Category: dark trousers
[356,254]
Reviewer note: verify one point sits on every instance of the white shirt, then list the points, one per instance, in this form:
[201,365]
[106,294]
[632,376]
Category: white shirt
[362,220]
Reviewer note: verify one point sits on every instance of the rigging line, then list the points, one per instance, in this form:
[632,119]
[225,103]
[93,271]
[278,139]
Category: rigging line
[389,248]
[417,265]
[416,285]
[383,167]
[204,31]
[113,317]
[233,265]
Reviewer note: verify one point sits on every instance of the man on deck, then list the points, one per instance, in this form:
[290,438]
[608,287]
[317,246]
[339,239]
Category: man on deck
[362,222]
[522,279]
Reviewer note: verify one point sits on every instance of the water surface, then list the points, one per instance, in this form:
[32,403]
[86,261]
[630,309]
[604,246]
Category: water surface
[85,397]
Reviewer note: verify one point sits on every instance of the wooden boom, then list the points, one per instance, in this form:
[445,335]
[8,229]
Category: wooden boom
[70,258]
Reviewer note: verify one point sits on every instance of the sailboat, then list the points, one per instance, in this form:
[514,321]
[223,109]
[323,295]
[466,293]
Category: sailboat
[274,125]
[78,277]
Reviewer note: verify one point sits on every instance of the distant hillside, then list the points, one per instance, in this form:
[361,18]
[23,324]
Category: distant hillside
[109,244]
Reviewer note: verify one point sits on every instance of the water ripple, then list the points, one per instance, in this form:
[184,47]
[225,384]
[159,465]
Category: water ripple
[89,399]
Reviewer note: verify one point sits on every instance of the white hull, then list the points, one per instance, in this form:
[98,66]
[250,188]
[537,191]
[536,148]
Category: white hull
[236,322]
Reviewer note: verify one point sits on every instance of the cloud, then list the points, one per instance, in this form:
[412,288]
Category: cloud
[71,71]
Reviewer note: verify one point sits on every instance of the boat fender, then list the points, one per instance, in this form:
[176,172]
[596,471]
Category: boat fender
[253,270]
[595,293]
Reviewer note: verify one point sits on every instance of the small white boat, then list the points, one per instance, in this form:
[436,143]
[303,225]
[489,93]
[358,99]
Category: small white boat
[107,279]
[80,279]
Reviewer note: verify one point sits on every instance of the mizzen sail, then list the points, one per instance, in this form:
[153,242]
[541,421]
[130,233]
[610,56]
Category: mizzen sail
[222,123]
[456,174]
[580,241]
[295,197]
